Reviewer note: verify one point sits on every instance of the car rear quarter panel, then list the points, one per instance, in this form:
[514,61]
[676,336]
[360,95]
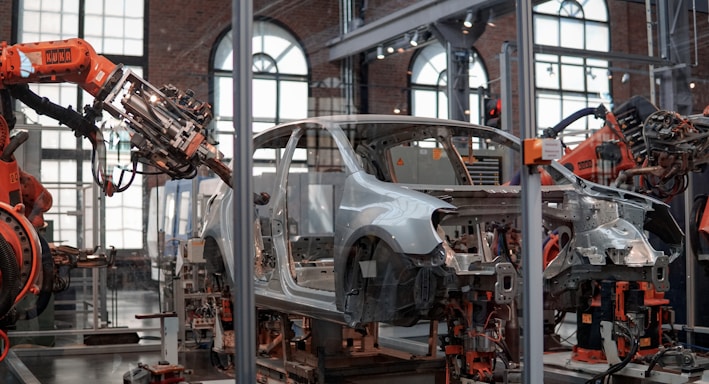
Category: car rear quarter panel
[399,216]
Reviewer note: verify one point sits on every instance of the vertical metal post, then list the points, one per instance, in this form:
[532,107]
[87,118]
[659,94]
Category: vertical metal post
[178,295]
[102,275]
[168,337]
[690,272]
[94,296]
[457,88]
[650,49]
[243,210]
[533,326]
[506,98]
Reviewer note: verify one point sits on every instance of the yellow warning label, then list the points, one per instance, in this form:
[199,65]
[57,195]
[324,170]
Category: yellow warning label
[400,162]
[586,318]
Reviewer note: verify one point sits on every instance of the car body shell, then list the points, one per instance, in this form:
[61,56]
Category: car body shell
[390,255]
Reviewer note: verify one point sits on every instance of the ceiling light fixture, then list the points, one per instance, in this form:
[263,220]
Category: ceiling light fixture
[380,52]
[415,40]
[491,19]
[468,22]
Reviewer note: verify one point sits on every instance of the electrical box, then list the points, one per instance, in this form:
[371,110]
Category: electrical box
[541,151]
[194,251]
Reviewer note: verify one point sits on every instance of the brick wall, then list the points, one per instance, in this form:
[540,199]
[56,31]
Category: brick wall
[181,38]
[6,20]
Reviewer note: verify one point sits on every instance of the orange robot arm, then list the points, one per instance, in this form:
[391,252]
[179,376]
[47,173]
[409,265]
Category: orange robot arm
[72,60]
[36,198]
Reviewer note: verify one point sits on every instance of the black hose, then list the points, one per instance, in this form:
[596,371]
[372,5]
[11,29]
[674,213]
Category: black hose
[635,345]
[10,271]
[43,106]
[657,358]
[554,131]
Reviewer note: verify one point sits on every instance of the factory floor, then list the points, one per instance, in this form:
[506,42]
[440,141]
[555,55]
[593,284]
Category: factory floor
[51,350]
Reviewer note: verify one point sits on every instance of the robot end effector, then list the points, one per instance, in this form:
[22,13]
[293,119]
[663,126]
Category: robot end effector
[167,126]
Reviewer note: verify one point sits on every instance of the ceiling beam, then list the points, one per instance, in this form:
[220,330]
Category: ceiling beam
[397,23]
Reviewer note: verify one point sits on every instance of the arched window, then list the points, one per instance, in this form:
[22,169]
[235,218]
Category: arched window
[280,81]
[429,78]
[566,83]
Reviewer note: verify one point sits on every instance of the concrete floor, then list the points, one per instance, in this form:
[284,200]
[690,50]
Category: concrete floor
[50,350]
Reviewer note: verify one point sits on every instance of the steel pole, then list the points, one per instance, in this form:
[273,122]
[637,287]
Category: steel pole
[533,326]
[243,210]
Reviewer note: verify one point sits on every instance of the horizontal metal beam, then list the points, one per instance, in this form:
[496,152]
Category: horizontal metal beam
[80,349]
[610,56]
[404,20]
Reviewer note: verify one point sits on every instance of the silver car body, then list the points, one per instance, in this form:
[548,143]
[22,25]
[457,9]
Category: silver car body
[405,213]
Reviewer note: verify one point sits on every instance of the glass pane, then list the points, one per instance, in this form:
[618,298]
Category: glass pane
[597,79]
[31,4]
[223,89]
[548,7]
[223,59]
[51,23]
[547,75]
[114,7]
[134,30]
[573,36]
[572,60]
[546,30]
[278,53]
[429,64]
[548,111]
[423,103]
[115,26]
[597,38]
[30,22]
[595,10]
[276,42]
[93,7]
[69,19]
[50,139]
[264,99]
[51,6]
[293,107]
[475,116]
[135,9]
[113,46]
[478,76]
[572,78]
[442,105]
[133,47]
[183,226]
[258,127]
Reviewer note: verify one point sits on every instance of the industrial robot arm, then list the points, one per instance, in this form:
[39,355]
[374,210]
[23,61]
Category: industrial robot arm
[168,126]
